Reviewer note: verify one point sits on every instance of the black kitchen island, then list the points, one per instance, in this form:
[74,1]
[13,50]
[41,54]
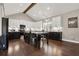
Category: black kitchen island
[34,38]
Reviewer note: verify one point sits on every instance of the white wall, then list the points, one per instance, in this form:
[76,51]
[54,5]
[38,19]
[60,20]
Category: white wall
[0,27]
[0,22]
[71,34]
[1,15]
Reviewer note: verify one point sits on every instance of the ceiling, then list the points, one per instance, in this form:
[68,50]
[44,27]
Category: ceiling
[45,10]
[40,10]
[12,8]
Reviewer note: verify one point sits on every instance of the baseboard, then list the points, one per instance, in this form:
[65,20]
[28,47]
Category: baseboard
[70,40]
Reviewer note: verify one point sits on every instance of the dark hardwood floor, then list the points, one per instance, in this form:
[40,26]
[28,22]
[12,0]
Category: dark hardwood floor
[18,47]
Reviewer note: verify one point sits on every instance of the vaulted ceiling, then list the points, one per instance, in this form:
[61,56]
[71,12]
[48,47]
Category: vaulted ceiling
[45,10]
[40,10]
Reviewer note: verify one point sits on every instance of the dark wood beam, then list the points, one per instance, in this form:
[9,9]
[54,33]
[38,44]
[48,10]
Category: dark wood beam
[29,7]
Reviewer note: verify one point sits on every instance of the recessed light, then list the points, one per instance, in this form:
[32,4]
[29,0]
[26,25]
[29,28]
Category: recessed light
[40,12]
[34,15]
[48,8]
[18,10]
[21,4]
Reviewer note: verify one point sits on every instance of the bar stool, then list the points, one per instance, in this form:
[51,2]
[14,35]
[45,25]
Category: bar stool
[44,39]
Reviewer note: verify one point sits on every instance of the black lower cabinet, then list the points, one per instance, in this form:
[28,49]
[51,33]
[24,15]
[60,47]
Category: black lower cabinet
[55,36]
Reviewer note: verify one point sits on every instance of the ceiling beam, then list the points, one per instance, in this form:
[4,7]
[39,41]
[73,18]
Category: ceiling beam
[29,7]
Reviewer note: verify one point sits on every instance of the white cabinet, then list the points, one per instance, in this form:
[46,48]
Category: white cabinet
[52,24]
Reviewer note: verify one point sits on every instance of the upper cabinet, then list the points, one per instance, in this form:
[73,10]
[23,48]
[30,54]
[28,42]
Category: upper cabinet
[53,24]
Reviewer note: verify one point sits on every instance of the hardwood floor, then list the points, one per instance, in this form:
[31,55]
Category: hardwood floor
[55,48]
